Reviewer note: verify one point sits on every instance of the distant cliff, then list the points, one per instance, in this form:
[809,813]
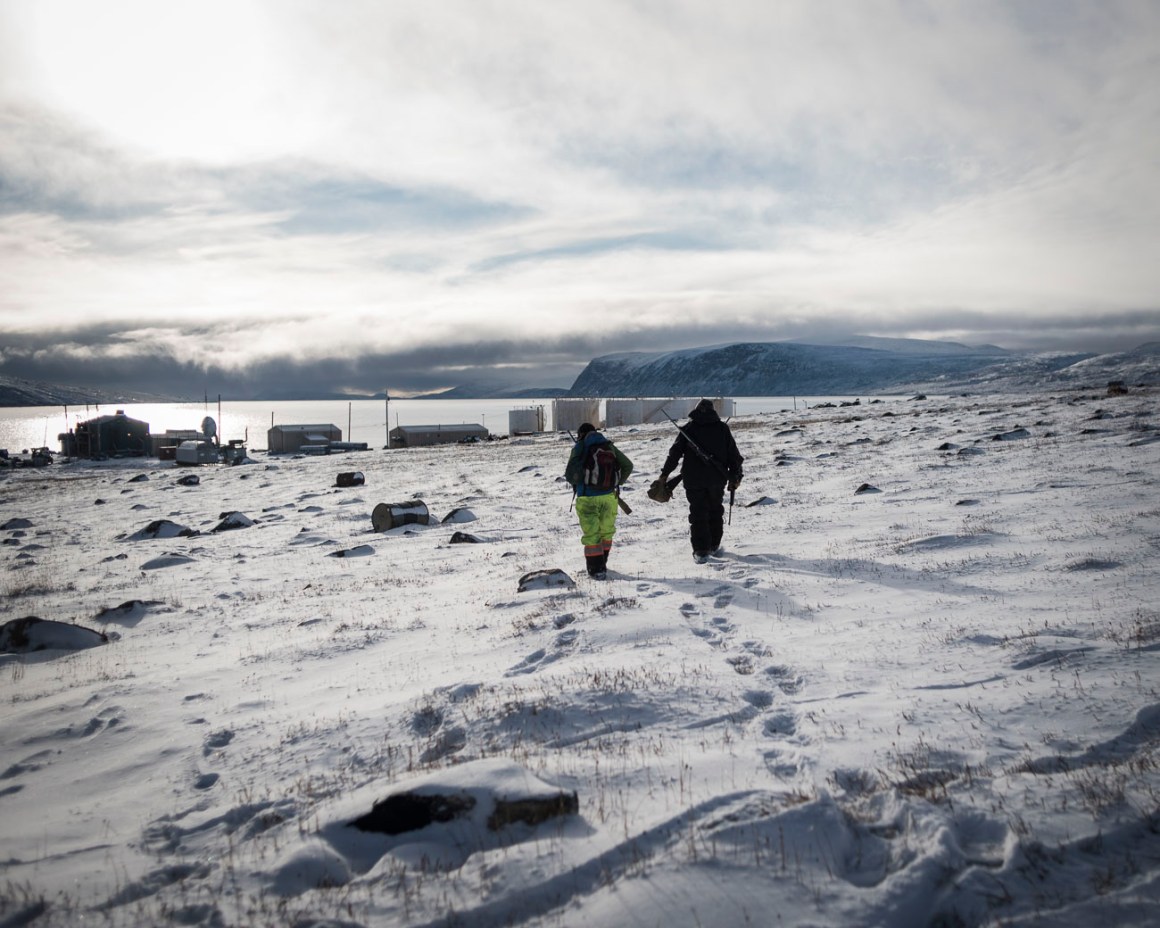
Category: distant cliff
[17,392]
[785,369]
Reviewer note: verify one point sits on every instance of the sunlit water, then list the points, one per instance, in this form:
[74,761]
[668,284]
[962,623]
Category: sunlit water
[25,427]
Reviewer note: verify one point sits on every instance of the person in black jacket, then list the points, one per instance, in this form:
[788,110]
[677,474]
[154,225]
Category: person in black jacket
[711,463]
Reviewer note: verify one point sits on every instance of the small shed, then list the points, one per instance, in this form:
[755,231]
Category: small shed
[289,439]
[109,436]
[164,445]
[417,436]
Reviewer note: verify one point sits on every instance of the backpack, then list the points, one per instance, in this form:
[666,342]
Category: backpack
[601,469]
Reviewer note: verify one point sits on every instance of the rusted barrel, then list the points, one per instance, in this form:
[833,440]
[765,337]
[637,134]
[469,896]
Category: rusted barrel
[391,515]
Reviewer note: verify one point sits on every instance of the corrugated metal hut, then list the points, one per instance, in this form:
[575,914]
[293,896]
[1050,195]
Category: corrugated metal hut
[569,414]
[111,436]
[417,436]
[526,421]
[289,439]
[623,412]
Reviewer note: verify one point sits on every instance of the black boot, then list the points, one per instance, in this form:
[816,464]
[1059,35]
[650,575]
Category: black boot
[595,564]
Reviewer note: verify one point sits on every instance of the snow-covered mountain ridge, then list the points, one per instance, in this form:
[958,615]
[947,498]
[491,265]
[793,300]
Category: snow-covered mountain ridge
[866,366]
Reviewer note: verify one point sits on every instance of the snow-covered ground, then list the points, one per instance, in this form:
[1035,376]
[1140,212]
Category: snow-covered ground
[933,702]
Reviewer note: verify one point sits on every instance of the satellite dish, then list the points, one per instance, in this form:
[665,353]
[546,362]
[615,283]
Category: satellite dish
[208,427]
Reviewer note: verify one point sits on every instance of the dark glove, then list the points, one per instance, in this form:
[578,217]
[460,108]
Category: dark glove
[658,491]
[734,483]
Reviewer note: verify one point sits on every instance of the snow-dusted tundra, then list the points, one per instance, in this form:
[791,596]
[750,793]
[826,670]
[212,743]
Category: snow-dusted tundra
[933,702]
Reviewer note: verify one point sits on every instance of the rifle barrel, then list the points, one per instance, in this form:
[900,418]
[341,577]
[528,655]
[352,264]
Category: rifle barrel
[701,452]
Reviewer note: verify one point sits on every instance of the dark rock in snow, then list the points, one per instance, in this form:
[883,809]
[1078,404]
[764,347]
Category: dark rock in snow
[22,636]
[463,538]
[459,515]
[405,812]
[139,478]
[496,794]
[1012,435]
[533,811]
[866,488]
[129,612]
[162,528]
[550,579]
[232,520]
[12,524]
[189,480]
[1093,563]
[761,501]
[357,551]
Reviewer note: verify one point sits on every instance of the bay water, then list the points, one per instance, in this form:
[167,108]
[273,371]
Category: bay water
[26,427]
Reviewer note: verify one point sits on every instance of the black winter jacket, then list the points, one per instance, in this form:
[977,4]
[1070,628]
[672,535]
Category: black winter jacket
[715,439]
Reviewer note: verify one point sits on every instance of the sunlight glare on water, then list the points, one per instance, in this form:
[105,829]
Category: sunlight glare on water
[25,427]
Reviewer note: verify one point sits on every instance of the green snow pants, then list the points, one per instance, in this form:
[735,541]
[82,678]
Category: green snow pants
[597,522]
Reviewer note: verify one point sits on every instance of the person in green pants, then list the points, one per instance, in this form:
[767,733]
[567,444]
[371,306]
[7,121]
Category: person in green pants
[596,469]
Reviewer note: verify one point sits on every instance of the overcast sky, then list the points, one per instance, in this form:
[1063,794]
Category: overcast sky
[410,194]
